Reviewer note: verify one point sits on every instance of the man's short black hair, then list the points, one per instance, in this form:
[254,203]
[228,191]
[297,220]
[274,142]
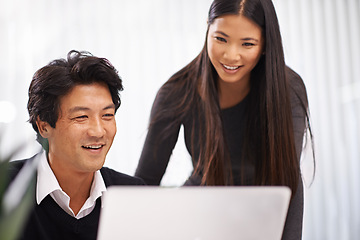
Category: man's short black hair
[56,79]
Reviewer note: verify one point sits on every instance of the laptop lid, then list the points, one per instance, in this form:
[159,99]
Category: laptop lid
[193,213]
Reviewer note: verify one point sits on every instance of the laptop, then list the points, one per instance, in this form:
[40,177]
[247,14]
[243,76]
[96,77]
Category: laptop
[193,213]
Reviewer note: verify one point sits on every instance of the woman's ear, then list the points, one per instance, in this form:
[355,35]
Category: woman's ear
[44,128]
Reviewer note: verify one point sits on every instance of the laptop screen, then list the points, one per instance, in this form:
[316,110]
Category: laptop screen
[193,213]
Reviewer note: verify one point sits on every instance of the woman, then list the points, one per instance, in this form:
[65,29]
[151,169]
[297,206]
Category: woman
[244,112]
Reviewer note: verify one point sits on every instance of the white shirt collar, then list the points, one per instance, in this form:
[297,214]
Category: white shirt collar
[47,184]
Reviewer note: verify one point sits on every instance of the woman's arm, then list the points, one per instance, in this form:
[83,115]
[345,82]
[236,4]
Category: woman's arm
[299,104]
[160,141]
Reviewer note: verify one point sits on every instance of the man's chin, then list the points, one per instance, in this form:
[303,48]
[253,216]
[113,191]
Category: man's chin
[94,166]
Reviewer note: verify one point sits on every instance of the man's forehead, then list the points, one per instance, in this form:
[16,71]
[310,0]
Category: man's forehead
[86,97]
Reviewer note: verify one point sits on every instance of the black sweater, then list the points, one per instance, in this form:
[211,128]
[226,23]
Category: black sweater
[48,221]
[155,154]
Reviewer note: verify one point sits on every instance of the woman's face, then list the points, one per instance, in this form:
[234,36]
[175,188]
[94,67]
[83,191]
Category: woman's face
[235,45]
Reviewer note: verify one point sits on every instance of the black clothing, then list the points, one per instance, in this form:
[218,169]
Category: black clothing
[48,221]
[155,155]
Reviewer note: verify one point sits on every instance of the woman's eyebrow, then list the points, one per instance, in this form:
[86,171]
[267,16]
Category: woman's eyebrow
[250,39]
[244,39]
[222,33]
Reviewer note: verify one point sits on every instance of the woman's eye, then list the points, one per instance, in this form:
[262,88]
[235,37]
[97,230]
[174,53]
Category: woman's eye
[220,39]
[248,44]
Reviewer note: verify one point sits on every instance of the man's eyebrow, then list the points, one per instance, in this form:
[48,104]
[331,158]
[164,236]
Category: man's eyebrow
[110,106]
[81,108]
[78,108]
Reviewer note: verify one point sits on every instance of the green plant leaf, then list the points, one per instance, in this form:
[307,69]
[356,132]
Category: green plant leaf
[12,223]
[16,199]
[4,174]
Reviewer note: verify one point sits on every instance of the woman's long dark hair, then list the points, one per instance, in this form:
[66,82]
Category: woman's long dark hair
[269,139]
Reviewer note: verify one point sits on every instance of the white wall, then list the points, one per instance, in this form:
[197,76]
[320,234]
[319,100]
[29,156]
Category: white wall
[147,41]
[321,40]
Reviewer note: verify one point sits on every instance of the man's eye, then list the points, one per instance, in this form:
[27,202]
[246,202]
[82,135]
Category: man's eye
[220,39]
[109,115]
[81,117]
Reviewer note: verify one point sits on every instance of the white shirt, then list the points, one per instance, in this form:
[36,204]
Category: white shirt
[47,184]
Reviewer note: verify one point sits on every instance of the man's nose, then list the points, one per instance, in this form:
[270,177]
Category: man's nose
[96,128]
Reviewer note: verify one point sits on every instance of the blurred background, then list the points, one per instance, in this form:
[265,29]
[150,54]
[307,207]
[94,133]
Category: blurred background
[148,41]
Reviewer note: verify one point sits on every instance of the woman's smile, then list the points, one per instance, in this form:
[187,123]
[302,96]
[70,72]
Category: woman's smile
[231,69]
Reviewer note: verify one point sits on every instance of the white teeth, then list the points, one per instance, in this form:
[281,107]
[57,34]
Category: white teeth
[230,68]
[93,146]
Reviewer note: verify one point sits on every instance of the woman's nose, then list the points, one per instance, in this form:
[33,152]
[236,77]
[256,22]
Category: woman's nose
[232,53]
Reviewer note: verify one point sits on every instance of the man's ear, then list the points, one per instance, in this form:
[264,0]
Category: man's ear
[44,128]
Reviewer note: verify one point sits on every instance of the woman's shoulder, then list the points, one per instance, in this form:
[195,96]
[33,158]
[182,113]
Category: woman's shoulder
[166,90]
[297,86]
[176,90]
[166,95]
[294,79]
[178,82]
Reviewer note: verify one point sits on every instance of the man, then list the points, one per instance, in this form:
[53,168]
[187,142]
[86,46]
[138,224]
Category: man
[72,105]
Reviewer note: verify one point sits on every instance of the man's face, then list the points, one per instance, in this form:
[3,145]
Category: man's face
[84,131]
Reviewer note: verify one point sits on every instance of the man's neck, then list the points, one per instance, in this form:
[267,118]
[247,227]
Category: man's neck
[76,185]
[78,191]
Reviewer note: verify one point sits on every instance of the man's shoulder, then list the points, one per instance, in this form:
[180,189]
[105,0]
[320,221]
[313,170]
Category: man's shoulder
[112,177]
[16,165]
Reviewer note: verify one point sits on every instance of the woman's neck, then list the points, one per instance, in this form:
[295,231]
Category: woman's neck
[230,94]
